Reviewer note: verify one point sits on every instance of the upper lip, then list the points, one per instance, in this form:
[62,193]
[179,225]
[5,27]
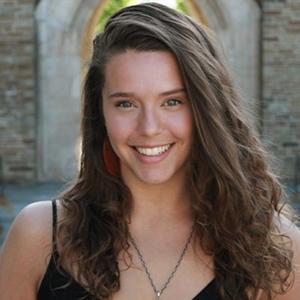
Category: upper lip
[152,146]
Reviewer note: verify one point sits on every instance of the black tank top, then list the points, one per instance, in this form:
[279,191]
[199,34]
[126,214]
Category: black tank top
[54,279]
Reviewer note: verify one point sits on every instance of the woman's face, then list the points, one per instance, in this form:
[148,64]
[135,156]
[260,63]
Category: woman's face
[147,115]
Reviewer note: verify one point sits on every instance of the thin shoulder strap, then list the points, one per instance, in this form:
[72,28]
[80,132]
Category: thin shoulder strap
[54,225]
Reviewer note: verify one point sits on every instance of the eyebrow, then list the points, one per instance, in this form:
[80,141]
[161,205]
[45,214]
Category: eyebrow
[167,93]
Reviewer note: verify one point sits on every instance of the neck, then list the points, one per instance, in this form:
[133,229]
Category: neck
[160,205]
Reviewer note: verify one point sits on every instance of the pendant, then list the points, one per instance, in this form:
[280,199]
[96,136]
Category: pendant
[157,295]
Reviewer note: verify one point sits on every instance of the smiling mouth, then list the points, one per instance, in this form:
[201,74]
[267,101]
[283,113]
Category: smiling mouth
[153,151]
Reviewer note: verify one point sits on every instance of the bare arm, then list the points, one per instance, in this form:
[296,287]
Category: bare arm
[24,255]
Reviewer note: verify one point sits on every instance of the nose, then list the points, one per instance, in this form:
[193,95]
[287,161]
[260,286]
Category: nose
[149,122]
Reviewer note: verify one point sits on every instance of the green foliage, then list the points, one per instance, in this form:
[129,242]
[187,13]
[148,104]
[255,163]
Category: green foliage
[110,8]
[182,7]
[114,5]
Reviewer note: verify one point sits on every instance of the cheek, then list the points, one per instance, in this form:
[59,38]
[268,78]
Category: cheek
[182,125]
[118,129]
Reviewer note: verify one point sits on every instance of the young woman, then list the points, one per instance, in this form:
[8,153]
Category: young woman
[174,199]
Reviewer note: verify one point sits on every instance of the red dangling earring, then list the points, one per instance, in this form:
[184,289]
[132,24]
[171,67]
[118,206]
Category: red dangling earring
[111,161]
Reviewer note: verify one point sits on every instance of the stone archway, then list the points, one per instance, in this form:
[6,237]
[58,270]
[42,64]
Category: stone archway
[237,25]
[62,28]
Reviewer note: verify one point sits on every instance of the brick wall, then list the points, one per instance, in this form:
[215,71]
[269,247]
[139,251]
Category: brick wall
[281,84]
[17,90]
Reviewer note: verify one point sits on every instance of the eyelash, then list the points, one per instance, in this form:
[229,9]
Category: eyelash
[123,102]
[174,100]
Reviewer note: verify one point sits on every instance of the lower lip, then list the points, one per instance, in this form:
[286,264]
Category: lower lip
[152,159]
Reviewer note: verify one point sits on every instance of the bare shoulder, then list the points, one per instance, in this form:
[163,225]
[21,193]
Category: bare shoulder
[291,230]
[288,227]
[26,250]
[32,224]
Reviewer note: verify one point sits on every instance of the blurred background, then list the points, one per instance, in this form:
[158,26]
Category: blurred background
[45,47]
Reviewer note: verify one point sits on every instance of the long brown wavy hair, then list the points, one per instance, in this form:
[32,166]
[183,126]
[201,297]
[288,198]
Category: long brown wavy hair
[236,197]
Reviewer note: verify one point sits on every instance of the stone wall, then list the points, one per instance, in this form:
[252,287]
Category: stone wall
[61,32]
[237,26]
[17,90]
[20,120]
[236,22]
[281,85]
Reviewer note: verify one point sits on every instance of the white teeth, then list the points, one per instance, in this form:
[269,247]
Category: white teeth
[153,151]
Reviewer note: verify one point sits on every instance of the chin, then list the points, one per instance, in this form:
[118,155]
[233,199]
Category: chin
[155,178]
[154,181]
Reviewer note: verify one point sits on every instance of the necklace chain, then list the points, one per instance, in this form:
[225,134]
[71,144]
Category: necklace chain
[157,291]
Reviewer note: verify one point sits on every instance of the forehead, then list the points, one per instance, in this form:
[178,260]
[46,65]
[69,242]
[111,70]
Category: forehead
[155,70]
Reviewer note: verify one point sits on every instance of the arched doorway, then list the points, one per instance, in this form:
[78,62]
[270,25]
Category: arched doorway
[64,29]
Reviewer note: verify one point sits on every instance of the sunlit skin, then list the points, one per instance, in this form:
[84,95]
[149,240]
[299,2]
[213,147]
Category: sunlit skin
[145,104]
[145,113]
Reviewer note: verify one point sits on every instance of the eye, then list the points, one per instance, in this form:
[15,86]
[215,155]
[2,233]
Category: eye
[124,104]
[172,102]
